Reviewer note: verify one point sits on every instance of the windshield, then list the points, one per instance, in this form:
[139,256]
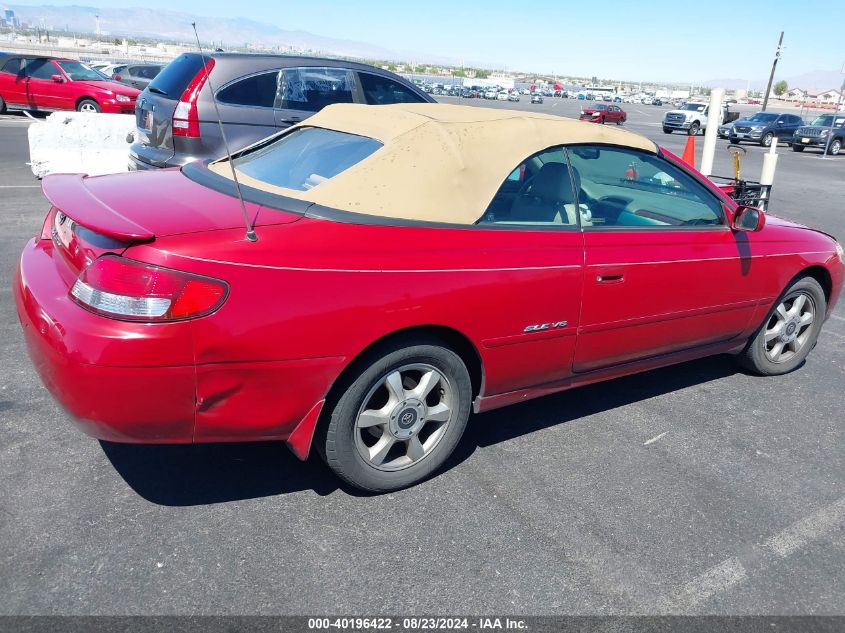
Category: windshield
[693,107]
[78,71]
[304,158]
[825,120]
[764,117]
[600,106]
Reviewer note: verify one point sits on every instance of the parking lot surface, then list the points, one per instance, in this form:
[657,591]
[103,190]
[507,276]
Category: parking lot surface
[691,489]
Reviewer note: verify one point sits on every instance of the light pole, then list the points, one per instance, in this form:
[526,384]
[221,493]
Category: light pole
[772,74]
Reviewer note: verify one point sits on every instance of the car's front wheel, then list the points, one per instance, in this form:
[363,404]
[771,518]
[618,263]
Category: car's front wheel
[835,147]
[667,130]
[88,105]
[797,148]
[693,129]
[2,106]
[767,139]
[399,419]
[789,331]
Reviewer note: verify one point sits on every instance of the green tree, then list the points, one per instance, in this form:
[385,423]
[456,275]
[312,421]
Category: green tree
[482,74]
[391,67]
[781,87]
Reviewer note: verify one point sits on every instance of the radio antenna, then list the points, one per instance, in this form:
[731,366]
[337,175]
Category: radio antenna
[250,230]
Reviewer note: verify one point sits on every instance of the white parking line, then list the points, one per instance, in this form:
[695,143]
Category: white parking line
[654,439]
[731,571]
[715,580]
[20,186]
[806,530]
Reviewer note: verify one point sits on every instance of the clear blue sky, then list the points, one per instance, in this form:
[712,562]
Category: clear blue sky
[671,40]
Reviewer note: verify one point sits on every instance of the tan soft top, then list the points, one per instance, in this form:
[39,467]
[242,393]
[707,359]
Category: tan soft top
[439,163]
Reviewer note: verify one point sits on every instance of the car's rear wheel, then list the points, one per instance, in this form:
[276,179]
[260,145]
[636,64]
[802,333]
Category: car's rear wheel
[88,105]
[693,129]
[2,106]
[789,332]
[797,148]
[767,139]
[835,147]
[399,419]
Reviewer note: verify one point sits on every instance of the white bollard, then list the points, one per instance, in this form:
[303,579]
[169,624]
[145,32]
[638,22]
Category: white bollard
[711,134]
[767,175]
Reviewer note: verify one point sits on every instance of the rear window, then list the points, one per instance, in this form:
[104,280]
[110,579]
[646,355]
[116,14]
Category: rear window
[305,157]
[13,66]
[176,76]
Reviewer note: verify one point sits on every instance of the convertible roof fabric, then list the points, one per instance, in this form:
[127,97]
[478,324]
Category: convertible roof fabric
[438,163]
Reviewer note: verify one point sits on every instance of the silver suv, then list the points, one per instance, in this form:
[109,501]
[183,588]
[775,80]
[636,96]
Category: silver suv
[257,95]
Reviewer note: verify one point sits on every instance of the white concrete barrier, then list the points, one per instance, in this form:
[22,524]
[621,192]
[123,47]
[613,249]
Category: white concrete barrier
[77,142]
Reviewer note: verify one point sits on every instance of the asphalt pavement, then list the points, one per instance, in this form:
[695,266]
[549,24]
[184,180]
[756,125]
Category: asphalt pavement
[694,489]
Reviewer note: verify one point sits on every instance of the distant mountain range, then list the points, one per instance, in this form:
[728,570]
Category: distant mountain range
[231,32]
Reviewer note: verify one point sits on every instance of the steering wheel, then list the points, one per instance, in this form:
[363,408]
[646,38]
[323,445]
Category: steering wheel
[523,190]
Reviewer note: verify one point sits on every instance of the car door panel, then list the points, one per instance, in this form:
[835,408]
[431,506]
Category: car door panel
[648,293]
[663,272]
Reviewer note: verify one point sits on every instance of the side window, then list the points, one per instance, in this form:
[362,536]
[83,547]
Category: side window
[313,88]
[256,90]
[148,72]
[13,66]
[626,188]
[380,90]
[538,192]
[40,69]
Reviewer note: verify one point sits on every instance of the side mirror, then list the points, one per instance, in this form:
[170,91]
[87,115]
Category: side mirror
[748,219]
[57,78]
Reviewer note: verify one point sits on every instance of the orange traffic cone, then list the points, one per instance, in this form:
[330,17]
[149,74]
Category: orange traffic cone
[689,152]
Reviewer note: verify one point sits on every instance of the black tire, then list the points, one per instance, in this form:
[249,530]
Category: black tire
[734,141]
[768,139]
[2,106]
[667,130]
[337,441]
[797,148]
[88,105]
[835,147]
[754,357]
[693,129]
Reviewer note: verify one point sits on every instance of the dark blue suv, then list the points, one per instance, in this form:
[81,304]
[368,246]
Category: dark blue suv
[765,127]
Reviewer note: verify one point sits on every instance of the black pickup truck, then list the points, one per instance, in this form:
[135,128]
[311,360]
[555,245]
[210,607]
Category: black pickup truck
[818,132]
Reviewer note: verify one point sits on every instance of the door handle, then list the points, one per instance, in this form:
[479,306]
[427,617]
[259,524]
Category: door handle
[610,275]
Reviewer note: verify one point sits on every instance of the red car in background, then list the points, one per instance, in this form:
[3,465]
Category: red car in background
[604,113]
[48,84]
[380,295]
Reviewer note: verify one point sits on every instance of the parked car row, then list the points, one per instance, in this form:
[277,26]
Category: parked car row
[764,128]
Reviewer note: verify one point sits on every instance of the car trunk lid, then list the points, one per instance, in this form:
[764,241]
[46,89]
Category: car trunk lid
[95,215]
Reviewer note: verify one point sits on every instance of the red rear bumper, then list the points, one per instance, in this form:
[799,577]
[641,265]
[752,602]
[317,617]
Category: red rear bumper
[138,383]
[108,374]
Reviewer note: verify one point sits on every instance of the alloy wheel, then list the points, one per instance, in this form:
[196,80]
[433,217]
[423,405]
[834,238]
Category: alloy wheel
[403,417]
[87,107]
[834,148]
[788,329]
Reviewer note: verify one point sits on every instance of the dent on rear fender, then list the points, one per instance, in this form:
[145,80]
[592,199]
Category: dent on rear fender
[259,400]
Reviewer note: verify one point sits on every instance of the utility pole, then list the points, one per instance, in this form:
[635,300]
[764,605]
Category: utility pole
[772,75]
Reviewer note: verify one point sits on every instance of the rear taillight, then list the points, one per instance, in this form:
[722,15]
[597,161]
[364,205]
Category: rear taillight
[129,290]
[186,118]
[116,77]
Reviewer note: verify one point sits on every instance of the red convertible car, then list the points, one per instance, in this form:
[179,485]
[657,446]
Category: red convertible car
[46,84]
[412,262]
[604,113]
